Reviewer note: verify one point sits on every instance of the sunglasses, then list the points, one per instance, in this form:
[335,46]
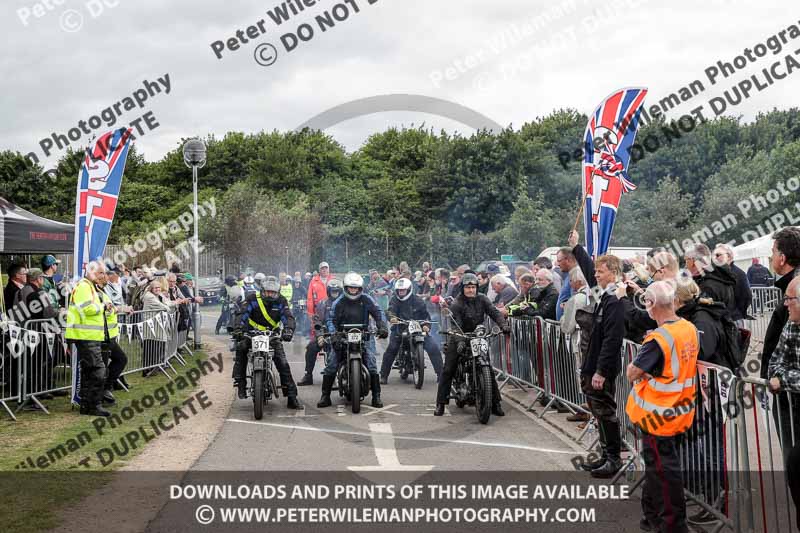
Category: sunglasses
[787,299]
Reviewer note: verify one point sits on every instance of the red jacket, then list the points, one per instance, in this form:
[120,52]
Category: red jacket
[317,291]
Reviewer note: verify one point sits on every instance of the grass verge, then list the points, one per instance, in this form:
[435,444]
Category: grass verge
[66,445]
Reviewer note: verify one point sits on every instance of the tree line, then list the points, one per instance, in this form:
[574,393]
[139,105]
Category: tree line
[414,194]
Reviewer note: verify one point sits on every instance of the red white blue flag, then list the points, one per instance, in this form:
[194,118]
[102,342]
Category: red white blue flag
[609,136]
[99,183]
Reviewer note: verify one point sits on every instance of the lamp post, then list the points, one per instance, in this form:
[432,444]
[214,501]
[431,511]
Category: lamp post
[194,156]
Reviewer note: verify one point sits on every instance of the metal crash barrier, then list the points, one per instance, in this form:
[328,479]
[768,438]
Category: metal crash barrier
[741,456]
[36,359]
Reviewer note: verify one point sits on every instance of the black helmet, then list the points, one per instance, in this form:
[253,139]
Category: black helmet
[469,279]
[230,281]
[334,285]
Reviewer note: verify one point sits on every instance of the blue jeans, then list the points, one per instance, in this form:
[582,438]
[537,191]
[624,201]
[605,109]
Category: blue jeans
[340,354]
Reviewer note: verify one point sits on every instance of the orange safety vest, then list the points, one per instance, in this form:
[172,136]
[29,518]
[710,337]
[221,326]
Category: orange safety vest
[664,406]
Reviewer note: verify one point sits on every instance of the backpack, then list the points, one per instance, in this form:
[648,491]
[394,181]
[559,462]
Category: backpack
[736,343]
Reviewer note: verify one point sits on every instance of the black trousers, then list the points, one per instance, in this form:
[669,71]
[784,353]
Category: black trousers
[663,503]
[786,413]
[451,358]
[603,405]
[93,372]
[279,358]
[115,360]
[393,349]
[312,349]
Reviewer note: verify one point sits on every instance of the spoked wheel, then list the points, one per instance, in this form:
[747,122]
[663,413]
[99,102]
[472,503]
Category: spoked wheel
[258,394]
[419,366]
[355,385]
[483,394]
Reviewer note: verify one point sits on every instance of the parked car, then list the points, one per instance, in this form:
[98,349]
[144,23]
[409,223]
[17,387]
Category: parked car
[210,289]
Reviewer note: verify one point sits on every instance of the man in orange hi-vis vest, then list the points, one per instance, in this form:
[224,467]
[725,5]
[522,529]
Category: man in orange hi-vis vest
[661,404]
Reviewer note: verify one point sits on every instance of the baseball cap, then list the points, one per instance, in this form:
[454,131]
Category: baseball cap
[324,265]
[492,268]
[48,261]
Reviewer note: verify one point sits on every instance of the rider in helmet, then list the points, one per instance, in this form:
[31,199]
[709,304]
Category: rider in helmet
[334,291]
[249,285]
[265,311]
[406,305]
[286,288]
[259,280]
[353,307]
[230,293]
[468,311]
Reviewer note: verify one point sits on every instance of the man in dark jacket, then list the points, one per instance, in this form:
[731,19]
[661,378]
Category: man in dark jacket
[405,305]
[603,362]
[758,275]
[540,300]
[17,278]
[469,311]
[742,296]
[716,281]
[786,264]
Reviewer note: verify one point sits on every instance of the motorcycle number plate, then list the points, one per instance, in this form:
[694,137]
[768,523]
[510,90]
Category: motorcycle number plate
[261,344]
[414,327]
[479,345]
[354,337]
[258,363]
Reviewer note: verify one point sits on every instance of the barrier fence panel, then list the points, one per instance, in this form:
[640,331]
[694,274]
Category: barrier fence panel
[765,300]
[562,371]
[148,339]
[768,431]
[47,364]
[10,367]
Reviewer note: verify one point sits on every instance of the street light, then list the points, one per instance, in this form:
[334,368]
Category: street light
[194,155]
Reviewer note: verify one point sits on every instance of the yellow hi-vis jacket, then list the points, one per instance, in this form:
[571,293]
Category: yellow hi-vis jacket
[664,405]
[286,292]
[85,313]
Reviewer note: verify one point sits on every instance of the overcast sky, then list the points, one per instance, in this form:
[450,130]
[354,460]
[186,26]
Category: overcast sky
[80,57]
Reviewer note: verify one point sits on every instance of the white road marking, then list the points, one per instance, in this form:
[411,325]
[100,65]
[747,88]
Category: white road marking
[382,410]
[383,442]
[404,437]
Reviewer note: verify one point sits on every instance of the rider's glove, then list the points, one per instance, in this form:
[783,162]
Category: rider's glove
[287,335]
[394,320]
[321,341]
[383,333]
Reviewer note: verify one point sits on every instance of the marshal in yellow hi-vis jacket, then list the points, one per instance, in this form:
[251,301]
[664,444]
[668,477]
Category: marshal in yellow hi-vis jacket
[664,405]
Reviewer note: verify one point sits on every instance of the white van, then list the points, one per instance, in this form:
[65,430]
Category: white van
[623,252]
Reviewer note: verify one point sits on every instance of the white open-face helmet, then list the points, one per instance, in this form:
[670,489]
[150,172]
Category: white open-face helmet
[353,280]
[259,279]
[403,284]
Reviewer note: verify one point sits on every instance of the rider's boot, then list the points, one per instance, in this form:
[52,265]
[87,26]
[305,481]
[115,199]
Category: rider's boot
[308,379]
[384,380]
[292,403]
[327,385]
[241,385]
[376,390]
[497,410]
[439,410]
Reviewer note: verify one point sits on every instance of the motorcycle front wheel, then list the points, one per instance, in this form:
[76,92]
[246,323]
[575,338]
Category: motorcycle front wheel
[419,366]
[355,385]
[483,394]
[258,394]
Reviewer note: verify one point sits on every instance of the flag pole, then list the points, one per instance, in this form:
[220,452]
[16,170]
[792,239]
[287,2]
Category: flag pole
[580,212]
